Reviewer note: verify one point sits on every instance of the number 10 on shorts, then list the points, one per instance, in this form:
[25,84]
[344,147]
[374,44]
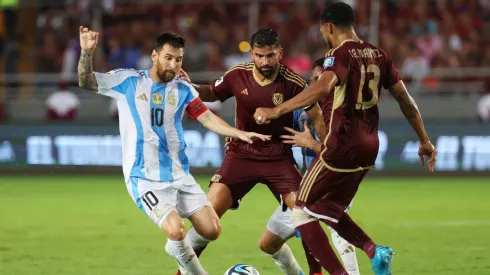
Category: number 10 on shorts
[150,200]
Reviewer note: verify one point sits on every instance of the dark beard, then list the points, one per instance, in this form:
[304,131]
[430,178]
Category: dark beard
[266,73]
[166,76]
[163,75]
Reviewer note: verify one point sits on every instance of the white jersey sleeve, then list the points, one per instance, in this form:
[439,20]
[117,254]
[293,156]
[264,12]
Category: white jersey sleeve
[112,84]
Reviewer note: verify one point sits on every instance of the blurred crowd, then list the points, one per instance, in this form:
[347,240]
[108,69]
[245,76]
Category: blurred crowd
[418,34]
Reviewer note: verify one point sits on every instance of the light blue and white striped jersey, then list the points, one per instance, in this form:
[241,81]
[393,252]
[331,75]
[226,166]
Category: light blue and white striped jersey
[300,116]
[150,122]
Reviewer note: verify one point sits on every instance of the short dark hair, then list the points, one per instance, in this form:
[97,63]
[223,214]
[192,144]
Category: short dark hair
[340,14]
[265,37]
[170,38]
[318,63]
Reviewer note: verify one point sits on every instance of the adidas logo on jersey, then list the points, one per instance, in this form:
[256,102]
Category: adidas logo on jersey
[142,97]
[245,91]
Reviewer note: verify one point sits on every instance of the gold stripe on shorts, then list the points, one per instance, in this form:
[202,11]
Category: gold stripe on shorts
[309,180]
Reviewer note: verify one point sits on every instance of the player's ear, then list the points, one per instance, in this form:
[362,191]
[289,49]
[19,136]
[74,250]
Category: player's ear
[330,28]
[154,56]
[281,53]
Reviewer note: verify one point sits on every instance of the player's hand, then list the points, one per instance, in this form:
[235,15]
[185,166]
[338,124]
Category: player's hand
[427,149]
[265,115]
[88,39]
[299,139]
[249,137]
[184,76]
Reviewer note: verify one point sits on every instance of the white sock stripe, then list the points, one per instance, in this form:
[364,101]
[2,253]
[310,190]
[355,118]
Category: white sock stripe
[318,216]
[300,217]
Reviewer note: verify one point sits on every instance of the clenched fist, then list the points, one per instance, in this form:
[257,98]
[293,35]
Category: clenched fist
[88,39]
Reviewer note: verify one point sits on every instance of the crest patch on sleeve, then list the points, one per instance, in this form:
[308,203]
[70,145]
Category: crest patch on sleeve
[328,62]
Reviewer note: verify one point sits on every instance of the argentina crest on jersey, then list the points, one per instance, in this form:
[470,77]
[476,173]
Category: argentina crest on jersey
[328,62]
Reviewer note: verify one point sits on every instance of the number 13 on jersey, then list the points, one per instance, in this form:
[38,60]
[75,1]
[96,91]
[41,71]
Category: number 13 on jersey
[372,86]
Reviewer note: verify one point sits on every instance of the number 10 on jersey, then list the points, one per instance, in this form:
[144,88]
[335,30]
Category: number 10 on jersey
[157,117]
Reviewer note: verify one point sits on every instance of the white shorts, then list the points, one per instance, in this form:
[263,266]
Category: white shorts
[280,223]
[158,199]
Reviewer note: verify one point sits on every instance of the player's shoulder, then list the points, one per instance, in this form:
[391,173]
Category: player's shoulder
[355,49]
[344,47]
[240,68]
[127,72]
[181,84]
[291,76]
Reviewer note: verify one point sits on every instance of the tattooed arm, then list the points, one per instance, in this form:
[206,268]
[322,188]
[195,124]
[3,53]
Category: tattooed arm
[86,77]
[88,42]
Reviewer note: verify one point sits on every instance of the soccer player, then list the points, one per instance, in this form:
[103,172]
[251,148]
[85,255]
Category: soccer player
[156,170]
[304,136]
[262,83]
[354,73]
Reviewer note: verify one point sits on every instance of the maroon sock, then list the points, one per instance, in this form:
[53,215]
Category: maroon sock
[352,233]
[313,264]
[199,250]
[317,241]
[370,248]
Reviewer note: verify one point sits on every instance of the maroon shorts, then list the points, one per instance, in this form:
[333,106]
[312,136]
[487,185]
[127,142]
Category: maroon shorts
[241,175]
[326,194]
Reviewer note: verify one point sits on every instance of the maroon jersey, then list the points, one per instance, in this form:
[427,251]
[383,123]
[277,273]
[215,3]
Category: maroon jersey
[351,109]
[250,93]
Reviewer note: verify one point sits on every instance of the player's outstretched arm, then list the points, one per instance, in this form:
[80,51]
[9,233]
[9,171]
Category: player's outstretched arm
[302,139]
[307,97]
[412,114]
[206,93]
[219,126]
[88,42]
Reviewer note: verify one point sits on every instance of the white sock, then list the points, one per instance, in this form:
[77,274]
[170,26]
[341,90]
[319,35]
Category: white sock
[183,253]
[346,251]
[285,260]
[196,240]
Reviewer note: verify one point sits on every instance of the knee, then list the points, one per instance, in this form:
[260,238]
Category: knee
[176,231]
[268,246]
[212,231]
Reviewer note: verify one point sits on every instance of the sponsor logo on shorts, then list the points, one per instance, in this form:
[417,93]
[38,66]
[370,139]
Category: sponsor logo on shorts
[158,212]
[277,98]
[216,178]
[157,98]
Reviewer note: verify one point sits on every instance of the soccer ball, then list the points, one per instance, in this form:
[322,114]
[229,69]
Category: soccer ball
[242,269]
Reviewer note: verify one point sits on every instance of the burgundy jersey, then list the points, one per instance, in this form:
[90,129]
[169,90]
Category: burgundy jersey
[242,82]
[351,109]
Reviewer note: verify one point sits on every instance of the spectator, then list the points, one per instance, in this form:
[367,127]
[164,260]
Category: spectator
[483,108]
[62,104]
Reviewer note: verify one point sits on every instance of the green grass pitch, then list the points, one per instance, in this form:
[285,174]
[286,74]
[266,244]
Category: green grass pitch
[88,225]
